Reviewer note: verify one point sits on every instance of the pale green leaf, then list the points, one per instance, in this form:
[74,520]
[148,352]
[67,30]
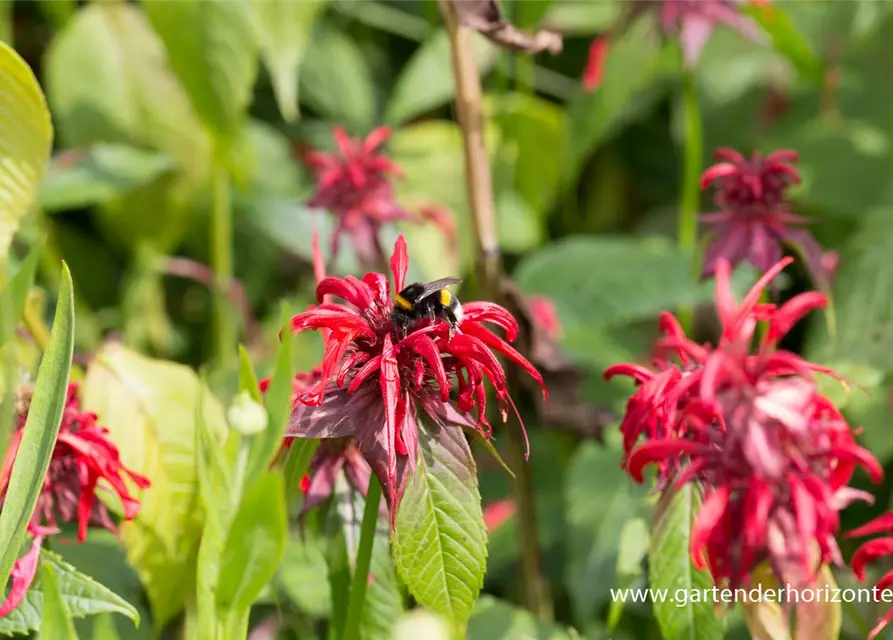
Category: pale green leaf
[820,620]
[104,628]
[670,567]
[440,543]
[336,80]
[15,295]
[149,407]
[133,98]
[77,179]
[299,574]
[765,620]
[212,50]
[787,40]
[26,136]
[608,281]
[41,428]
[81,595]
[426,81]
[56,623]
[422,624]
[254,545]
[598,498]
[282,30]
[634,539]
[247,377]
[494,619]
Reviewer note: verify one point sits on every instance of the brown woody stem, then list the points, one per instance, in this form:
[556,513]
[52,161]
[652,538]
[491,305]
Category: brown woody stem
[489,271]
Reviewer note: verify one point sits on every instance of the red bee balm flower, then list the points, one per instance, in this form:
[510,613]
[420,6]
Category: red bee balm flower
[773,455]
[354,185]
[83,456]
[873,550]
[377,380]
[754,221]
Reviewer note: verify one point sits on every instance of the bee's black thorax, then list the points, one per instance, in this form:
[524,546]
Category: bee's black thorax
[418,301]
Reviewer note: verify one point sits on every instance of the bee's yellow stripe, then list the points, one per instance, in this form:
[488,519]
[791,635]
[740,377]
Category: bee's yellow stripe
[402,302]
[445,297]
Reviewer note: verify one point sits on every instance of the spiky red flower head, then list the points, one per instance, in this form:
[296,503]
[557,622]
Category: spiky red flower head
[754,221]
[694,21]
[377,380]
[871,551]
[773,455]
[83,456]
[355,186]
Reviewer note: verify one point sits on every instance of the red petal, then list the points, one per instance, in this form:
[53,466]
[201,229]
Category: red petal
[657,450]
[390,391]
[725,153]
[493,313]
[425,347]
[635,371]
[399,263]
[9,459]
[792,311]
[881,524]
[319,264]
[363,374]
[595,63]
[709,516]
[868,552]
[498,513]
[721,170]
[495,342]
[375,139]
[863,458]
[23,572]
[345,144]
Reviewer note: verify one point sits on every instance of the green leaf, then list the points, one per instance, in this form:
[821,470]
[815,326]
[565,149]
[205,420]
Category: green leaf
[766,620]
[41,428]
[820,620]
[81,595]
[254,545]
[336,80]
[786,39]
[634,540]
[297,462]
[104,628]
[267,443]
[212,50]
[79,179]
[670,567]
[494,619]
[15,296]
[27,135]
[426,81]
[422,624]
[598,498]
[282,30]
[247,378]
[636,76]
[440,543]
[133,98]
[56,623]
[298,576]
[133,394]
[607,281]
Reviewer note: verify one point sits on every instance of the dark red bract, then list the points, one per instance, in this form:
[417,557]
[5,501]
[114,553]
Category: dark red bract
[83,456]
[376,380]
[872,550]
[754,221]
[773,455]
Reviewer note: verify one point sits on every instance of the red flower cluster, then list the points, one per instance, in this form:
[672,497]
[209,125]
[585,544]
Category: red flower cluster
[773,455]
[83,456]
[377,380]
[754,221]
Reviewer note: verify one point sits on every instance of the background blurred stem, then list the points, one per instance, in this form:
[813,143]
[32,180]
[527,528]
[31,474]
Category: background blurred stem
[690,191]
[222,263]
[479,184]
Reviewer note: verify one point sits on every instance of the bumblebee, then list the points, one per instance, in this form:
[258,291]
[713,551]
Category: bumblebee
[432,300]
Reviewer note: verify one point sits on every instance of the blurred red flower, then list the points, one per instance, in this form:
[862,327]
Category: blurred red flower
[354,184]
[872,550]
[377,378]
[773,455]
[546,315]
[754,220]
[83,456]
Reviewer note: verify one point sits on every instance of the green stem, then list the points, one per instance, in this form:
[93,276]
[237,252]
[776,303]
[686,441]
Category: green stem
[690,190]
[364,559]
[222,264]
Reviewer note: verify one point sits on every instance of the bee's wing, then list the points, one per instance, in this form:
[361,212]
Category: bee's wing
[437,285]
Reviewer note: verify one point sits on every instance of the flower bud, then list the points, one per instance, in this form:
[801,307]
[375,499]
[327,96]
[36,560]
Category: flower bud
[246,416]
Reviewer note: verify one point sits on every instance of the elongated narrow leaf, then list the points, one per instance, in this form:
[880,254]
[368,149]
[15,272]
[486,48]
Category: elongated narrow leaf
[15,295]
[41,429]
[149,407]
[211,48]
[670,568]
[282,31]
[81,595]
[254,545]
[278,397]
[215,488]
[297,462]
[440,543]
[247,377]
[56,623]
[26,136]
